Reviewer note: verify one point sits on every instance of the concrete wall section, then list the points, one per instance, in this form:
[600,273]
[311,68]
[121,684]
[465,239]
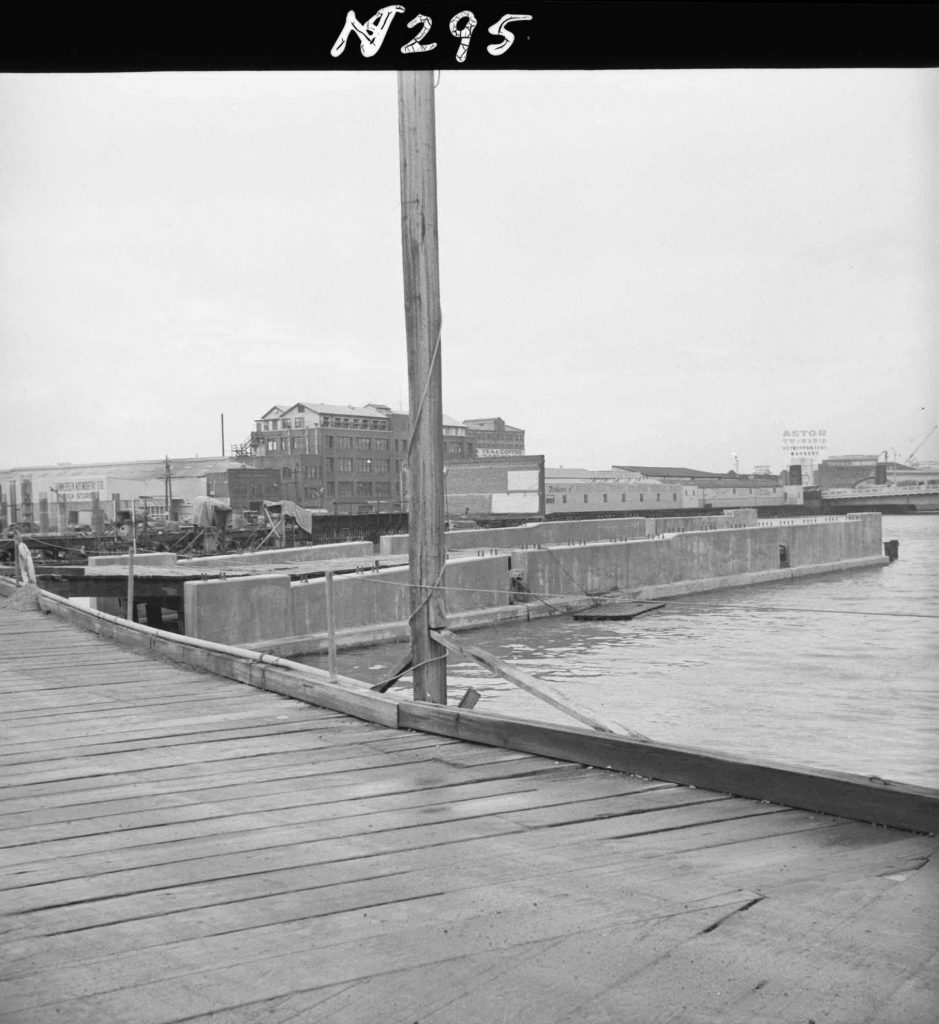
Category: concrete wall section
[313,553]
[359,599]
[562,532]
[366,599]
[257,608]
[150,558]
[730,519]
[238,610]
[263,608]
[576,530]
[603,568]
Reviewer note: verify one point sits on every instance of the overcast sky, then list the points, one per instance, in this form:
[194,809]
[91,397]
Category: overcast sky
[642,267]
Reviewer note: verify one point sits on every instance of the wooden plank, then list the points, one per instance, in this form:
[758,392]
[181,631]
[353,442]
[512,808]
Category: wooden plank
[538,688]
[852,796]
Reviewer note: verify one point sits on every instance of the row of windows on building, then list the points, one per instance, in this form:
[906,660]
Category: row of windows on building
[343,464]
[337,422]
[350,489]
[331,489]
[349,465]
[340,442]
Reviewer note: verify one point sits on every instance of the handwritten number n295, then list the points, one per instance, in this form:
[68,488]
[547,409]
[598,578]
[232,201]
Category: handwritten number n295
[372,33]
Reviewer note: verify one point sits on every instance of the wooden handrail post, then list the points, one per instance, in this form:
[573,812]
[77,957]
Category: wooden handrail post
[130,559]
[331,626]
[418,160]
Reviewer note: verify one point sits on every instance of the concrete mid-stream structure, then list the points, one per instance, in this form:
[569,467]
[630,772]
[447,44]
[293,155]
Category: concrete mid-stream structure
[542,569]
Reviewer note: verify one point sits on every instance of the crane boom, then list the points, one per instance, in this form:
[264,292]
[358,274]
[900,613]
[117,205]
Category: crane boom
[929,434]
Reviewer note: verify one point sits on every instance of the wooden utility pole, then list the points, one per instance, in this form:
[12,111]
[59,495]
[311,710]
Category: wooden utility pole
[168,488]
[418,155]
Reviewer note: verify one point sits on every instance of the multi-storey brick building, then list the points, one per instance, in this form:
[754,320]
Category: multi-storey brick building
[494,437]
[346,459]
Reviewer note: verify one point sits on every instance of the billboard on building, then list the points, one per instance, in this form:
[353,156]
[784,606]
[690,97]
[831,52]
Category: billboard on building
[804,443]
[80,490]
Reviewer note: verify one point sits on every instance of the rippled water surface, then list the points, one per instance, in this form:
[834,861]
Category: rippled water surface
[838,671]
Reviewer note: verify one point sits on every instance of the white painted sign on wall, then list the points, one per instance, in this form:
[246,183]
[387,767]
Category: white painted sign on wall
[523,480]
[523,502]
[804,443]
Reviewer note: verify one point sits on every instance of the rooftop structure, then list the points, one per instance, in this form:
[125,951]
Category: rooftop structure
[668,472]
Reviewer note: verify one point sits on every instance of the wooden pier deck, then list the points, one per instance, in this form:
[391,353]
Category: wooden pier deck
[181,847]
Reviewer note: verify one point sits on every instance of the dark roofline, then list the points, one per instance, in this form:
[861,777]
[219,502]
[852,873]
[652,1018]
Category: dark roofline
[673,471]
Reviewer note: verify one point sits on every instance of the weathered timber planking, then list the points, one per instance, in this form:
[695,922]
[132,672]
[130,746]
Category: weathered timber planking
[810,953]
[313,785]
[152,991]
[481,859]
[330,760]
[783,861]
[72,745]
[140,744]
[76,735]
[134,847]
[505,915]
[178,756]
[285,803]
[556,804]
[229,932]
[96,877]
[216,743]
[427,767]
[218,854]
[258,670]
[564,915]
[896,804]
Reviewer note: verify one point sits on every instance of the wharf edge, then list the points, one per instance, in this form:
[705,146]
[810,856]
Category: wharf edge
[871,799]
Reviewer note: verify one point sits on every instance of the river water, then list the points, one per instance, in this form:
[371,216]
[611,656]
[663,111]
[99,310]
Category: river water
[839,671]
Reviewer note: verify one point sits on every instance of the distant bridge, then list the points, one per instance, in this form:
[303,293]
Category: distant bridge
[907,497]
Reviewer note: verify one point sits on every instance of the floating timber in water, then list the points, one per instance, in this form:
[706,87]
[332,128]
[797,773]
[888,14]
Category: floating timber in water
[618,610]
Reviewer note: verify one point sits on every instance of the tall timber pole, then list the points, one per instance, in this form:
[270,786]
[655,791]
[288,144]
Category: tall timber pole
[418,157]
